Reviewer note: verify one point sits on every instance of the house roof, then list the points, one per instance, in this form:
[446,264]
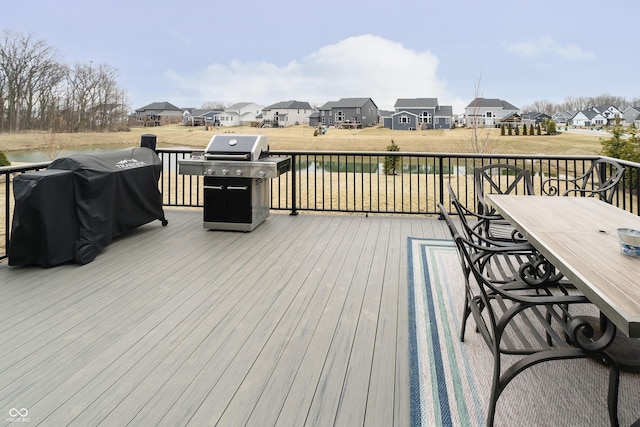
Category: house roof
[352,102]
[329,105]
[590,114]
[603,108]
[566,114]
[409,113]
[412,103]
[237,107]
[205,112]
[160,106]
[491,103]
[444,111]
[289,105]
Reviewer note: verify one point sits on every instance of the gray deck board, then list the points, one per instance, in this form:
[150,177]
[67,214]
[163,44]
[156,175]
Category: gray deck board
[302,321]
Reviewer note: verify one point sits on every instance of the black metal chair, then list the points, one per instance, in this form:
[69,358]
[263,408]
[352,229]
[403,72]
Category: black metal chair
[600,180]
[499,178]
[533,322]
[518,266]
[489,226]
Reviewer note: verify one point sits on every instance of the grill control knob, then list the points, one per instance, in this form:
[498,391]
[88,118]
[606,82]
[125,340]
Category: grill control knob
[225,171]
[211,171]
[261,174]
[239,172]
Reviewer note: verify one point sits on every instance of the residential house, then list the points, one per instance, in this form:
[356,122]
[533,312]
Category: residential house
[609,112]
[534,118]
[631,116]
[323,116]
[156,114]
[587,118]
[420,113]
[347,113]
[384,117]
[488,112]
[240,114]
[202,117]
[314,118]
[563,118]
[286,113]
[444,119]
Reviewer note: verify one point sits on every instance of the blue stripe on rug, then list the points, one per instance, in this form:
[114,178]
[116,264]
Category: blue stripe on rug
[442,389]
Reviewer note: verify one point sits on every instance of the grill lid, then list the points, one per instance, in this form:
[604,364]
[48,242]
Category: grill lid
[237,147]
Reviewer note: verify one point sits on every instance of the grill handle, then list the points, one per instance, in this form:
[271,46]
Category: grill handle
[227,156]
[213,187]
[238,187]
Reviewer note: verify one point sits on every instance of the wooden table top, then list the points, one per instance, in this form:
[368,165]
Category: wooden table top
[578,235]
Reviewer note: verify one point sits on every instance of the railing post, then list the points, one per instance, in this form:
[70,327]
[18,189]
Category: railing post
[7,231]
[441,183]
[294,203]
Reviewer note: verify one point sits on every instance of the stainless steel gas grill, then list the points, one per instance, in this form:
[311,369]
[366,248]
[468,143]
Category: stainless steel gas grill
[236,170]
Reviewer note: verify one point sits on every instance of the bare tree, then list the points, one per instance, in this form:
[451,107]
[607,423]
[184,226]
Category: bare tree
[38,92]
[95,102]
[480,140]
[213,105]
[543,106]
[24,63]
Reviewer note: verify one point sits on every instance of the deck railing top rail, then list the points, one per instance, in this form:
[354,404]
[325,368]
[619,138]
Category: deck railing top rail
[365,182]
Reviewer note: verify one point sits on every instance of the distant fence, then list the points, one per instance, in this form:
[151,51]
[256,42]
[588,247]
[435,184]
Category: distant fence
[390,183]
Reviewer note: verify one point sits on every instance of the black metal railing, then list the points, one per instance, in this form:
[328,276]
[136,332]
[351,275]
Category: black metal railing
[361,182]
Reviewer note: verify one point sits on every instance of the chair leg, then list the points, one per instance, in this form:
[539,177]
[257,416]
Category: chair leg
[495,388]
[500,382]
[612,395]
[466,312]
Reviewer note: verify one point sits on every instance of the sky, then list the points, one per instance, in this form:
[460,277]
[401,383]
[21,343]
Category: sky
[191,53]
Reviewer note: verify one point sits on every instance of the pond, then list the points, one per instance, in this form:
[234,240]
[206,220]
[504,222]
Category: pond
[36,156]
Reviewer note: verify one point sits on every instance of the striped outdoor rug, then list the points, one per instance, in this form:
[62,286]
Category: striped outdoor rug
[450,380]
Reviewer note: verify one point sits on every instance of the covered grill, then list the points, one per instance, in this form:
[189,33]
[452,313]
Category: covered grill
[80,203]
[236,169]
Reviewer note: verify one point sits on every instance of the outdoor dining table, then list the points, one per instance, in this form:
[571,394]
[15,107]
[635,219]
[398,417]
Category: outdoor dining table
[578,236]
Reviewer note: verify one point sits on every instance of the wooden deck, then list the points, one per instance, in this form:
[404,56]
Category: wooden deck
[302,321]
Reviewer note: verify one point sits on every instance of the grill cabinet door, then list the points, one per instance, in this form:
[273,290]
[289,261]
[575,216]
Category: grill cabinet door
[239,200]
[227,200]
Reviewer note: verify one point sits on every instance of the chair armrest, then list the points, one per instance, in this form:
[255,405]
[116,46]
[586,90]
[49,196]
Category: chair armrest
[553,190]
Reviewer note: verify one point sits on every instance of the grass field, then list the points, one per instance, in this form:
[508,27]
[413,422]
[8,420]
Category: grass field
[301,138]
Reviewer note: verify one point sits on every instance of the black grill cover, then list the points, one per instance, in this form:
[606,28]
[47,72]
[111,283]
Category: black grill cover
[45,225]
[114,193]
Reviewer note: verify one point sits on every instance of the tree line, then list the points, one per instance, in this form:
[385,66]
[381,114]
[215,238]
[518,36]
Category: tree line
[38,92]
[580,103]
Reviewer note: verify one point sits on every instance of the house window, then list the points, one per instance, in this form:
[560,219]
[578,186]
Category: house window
[489,114]
[339,116]
[403,119]
[425,117]
[358,110]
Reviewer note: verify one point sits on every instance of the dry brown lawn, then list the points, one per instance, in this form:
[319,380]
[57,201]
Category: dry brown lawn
[301,138]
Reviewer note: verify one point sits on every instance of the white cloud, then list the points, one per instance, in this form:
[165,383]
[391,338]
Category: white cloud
[547,46]
[361,66]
